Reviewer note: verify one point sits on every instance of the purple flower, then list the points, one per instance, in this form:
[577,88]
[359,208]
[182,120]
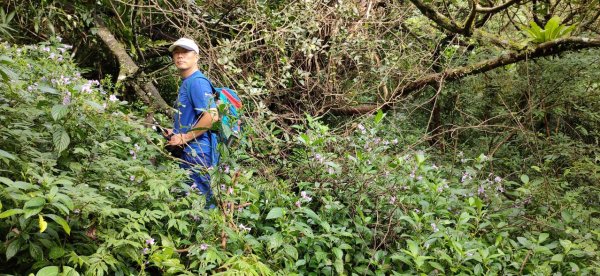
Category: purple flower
[230,190]
[497,179]
[145,250]
[298,204]
[113,98]
[150,241]
[480,190]
[319,158]
[67,98]
[223,187]
[132,178]
[362,129]
[417,210]
[500,189]
[203,247]
[393,200]
[466,176]
[395,141]
[226,169]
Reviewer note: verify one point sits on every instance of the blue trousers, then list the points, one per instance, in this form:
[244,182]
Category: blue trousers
[197,166]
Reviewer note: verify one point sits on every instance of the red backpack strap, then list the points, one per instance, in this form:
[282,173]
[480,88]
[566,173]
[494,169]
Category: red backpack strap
[235,102]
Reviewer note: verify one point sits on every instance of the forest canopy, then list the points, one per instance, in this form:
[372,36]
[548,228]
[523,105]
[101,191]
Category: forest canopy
[380,137]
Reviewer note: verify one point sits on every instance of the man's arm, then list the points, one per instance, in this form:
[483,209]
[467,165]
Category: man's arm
[204,124]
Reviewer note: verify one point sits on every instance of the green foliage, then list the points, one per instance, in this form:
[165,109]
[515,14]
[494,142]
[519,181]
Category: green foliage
[83,182]
[5,19]
[84,187]
[554,29]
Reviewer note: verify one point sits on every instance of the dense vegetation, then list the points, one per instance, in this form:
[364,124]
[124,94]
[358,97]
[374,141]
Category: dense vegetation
[365,152]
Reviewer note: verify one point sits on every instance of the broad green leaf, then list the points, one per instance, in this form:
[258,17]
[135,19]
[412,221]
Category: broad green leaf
[524,242]
[62,222]
[551,27]
[10,212]
[47,89]
[36,252]
[543,237]
[56,252]
[311,214]
[61,140]
[4,154]
[34,206]
[95,105]
[48,271]
[291,251]
[339,254]
[13,248]
[59,111]
[525,179]
[379,116]
[413,247]
[276,212]
[558,258]
[6,181]
[42,223]
[437,266]
[69,271]
[339,266]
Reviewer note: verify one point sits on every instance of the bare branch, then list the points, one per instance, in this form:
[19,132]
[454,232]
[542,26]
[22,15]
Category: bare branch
[468,25]
[498,8]
[541,50]
[437,17]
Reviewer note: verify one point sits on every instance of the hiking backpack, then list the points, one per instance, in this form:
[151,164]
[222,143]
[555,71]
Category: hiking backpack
[229,106]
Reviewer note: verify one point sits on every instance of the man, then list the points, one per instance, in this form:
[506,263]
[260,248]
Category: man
[196,112]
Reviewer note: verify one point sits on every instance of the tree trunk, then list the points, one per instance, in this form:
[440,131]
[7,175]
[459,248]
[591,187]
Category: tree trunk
[130,74]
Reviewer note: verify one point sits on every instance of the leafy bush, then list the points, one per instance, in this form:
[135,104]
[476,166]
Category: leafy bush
[86,188]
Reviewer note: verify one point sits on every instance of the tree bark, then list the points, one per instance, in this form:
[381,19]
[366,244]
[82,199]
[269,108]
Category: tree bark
[129,71]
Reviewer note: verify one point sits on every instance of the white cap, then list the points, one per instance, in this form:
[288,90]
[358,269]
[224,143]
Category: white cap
[185,43]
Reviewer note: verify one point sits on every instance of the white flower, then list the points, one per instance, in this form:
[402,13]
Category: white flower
[113,98]
[244,228]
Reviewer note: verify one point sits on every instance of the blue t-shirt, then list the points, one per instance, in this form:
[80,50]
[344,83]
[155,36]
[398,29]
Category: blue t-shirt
[195,97]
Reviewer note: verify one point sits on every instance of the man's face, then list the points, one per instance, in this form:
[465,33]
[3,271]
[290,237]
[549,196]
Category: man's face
[184,59]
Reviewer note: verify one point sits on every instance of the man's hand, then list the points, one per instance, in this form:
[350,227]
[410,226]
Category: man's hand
[167,132]
[177,139]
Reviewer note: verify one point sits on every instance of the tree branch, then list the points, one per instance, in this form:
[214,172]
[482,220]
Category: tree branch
[468,25]
[437,17]
[541,50]
[498,8]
